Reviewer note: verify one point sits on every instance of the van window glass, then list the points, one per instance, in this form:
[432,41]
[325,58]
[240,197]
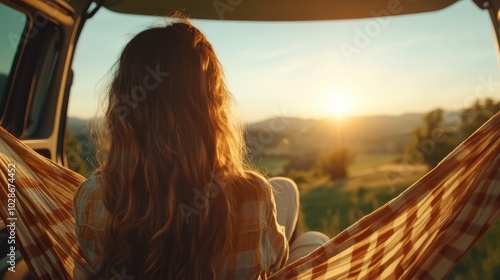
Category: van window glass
[12,26]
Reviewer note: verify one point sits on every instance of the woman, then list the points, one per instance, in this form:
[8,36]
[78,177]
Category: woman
[173,198]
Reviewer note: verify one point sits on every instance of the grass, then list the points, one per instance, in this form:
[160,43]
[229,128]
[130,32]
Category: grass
[367,162]
[334,206]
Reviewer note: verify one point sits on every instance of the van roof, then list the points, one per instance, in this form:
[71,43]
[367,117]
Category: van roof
[277,10]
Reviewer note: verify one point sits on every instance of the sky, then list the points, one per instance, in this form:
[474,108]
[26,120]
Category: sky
[321,69]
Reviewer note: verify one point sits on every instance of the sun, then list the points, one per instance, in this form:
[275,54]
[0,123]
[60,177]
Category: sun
[340,105]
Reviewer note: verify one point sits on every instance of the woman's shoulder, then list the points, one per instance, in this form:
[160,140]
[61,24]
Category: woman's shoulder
[89,187]
[254,176]
[254,187]
[87,203]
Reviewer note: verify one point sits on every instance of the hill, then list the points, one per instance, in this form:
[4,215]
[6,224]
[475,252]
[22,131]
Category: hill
[294,136]
[77,126]
[277,141]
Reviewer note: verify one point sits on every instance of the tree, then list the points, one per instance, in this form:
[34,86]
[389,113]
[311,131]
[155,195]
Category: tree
[433,142]
[476,115]
[335,163]
[299,176]
[73,149]
[303,162]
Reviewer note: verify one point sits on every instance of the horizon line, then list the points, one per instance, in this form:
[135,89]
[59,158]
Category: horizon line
[296,117]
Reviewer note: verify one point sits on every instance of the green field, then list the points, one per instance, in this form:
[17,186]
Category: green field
[366,162]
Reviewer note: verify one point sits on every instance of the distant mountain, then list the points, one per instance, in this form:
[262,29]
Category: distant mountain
[77,126]
[282,124]
[394,124]
[296,136]
[388,125]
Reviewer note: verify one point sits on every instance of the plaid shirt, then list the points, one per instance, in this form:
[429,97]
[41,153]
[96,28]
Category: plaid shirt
[262,247]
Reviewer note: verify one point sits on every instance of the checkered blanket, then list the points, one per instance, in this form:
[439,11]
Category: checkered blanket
[421,234]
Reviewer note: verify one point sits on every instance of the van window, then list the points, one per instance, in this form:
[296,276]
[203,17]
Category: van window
[12,26]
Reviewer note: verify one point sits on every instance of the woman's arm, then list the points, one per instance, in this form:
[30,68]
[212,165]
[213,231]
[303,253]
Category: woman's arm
[90,217]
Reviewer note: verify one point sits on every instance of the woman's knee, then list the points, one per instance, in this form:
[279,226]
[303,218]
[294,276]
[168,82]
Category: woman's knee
[314,238]
[286,197]
[305,244]
[284,185]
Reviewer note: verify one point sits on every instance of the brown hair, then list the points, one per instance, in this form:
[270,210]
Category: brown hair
[173,159]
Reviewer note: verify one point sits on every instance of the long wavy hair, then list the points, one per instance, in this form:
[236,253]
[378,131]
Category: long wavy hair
[174,159]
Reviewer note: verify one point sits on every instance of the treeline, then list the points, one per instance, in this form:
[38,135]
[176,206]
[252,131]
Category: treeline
[80,152]
[441,134]
[333,164]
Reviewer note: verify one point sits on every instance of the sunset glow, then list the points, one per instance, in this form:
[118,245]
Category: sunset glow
[340,105]
[301,70]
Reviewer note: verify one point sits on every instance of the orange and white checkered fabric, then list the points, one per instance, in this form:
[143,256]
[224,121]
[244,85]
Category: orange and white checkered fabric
[420,234]
[44,226]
